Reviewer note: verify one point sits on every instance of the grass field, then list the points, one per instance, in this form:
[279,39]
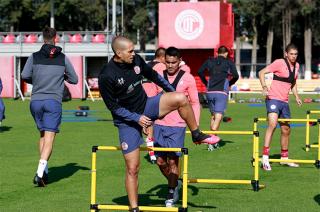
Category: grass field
[287,189]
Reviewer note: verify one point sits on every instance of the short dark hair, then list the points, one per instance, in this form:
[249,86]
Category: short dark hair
[173,51]
[222,50]
[49,33]
[160,52]
[291,46]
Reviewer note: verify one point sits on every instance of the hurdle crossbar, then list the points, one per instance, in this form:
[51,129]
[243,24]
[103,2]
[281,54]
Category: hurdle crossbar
[308,146]
[255,181]
[307,120]
[94,206]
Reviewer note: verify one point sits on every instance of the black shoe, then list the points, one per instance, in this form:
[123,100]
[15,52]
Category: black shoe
[45,178]
[38,180]
[134,209]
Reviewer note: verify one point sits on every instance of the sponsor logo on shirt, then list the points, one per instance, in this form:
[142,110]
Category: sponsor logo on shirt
[137,69]
[121,81]
[273,107]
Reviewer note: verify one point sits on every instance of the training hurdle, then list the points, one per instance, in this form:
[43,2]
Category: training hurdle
[96,207]
[255,181]
[315,162]
[308,145]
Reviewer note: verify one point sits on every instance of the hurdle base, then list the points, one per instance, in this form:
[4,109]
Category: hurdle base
[255,185]
[308,147]
[317,164]
[183,210]
[94,207]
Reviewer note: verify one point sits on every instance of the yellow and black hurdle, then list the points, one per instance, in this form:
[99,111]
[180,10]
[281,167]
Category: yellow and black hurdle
[94,206]
[255,181]
[308,145]
[315,162]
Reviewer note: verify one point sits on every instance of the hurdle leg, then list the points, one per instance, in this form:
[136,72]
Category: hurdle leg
[255,182]
[318,160]
[185,181]
[308,132]
[93,206]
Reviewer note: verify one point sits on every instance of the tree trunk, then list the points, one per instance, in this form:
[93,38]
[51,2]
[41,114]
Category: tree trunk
[254,49]
[286,27]
[307,47]
[269,43]
[238,50]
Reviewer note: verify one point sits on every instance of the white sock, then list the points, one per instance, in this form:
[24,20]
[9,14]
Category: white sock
[41,167]
[46,170]
[265,157]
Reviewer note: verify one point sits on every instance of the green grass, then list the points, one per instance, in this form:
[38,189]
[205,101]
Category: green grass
[287,189]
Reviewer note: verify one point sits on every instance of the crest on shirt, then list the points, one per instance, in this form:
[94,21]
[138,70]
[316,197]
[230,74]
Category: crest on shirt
[137,69]
[121,81]
[273,107]
[124,146]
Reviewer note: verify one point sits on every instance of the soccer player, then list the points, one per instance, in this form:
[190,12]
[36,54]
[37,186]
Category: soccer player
[2,107]
[170,131]
[122,92]
[285,73]
[222,74]
[47,70]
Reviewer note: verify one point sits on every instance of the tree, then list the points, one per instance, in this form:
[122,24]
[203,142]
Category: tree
[307,8]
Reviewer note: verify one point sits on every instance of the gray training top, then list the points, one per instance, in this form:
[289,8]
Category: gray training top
[46,70]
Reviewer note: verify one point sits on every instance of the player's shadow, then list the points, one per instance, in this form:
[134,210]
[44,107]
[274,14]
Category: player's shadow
[5,128]
[224,142]
[275,156]
[317,199]
[157,195]
[60,172]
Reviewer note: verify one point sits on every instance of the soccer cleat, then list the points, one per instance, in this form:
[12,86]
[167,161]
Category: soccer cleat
[205,139]
[45,178]
[136,209]
[38,181]
[176,191]
[169,203]
[265,164]
[212,147]
[290,164]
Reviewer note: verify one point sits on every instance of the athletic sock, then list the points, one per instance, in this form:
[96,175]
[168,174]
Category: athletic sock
[266,150]
[284,153]
[41,167]
[46,170]
[195,133]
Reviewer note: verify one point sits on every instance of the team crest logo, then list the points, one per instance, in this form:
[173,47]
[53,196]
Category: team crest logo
[121,81]
[189,24]
[137,69]
[273,107]
[124,146]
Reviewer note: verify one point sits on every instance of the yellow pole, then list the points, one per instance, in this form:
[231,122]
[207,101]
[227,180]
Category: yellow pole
[93,179]
[256,159]
[315,111]
[308,132]
[142,208]
[255,128]
[185,182]
[292,161]
[292,120]
[318,142]
[219,181]
[227,132]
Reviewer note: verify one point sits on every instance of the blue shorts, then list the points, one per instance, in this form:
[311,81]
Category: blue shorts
[279,107]
[217,102]
[151,109]
[130,135]
[169,137]
[47,114]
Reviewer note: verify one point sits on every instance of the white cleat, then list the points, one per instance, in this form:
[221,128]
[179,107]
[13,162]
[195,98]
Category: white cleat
[265,164]
[169,203]
[290,164]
